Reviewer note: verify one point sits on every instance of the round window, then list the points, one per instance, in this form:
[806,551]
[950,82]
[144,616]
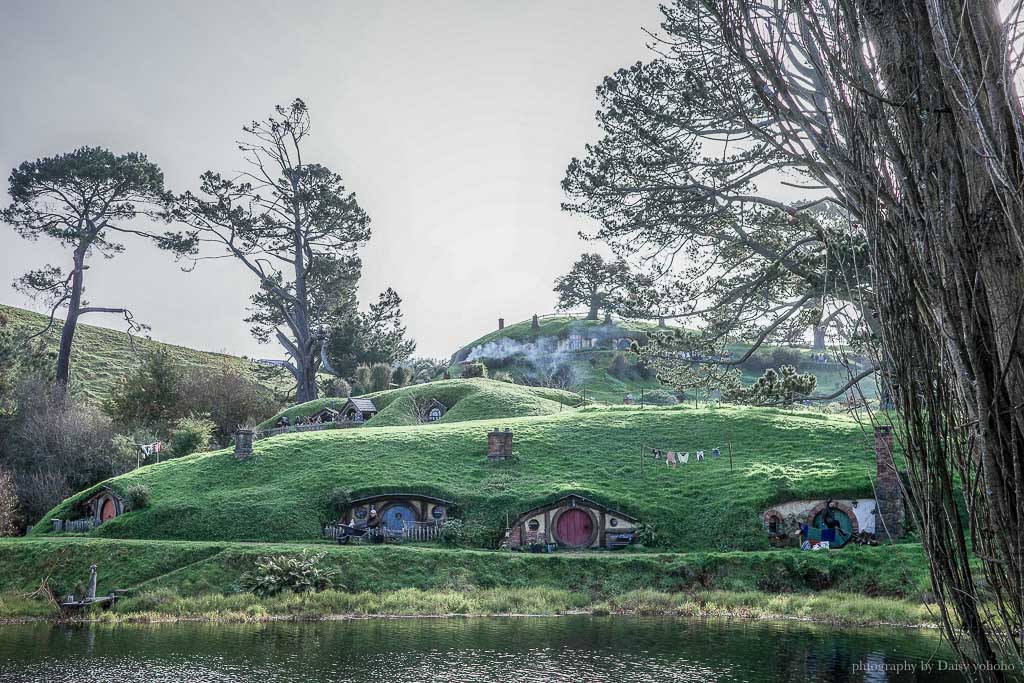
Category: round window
[437,512]
[533,525]
[613,522]
[360,513]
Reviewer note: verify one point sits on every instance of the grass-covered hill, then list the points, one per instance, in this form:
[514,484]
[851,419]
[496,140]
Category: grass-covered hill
[100,355]
[504,350]
[283,492]
[466,399]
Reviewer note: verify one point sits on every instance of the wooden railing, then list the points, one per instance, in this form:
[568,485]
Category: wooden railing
[412,531]
[72,525]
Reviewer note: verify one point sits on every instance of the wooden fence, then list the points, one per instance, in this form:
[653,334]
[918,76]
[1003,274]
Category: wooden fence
[315,427]
[412,531]
[73,525]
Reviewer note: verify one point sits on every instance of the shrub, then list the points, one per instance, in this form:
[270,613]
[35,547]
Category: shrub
[362,383]
[660,397]
[337,502]
[227,395]
[402,376]
[619,367]
[148,395]
[337,388]
[452,533]
[8,505]
[137,496]
[276,574]
[191,435]
[474,369]
[380,376]
[647,535]
[503,376]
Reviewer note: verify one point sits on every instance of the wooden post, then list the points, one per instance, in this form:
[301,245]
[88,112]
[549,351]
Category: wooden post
[641,398]
[642,450]
[730,456]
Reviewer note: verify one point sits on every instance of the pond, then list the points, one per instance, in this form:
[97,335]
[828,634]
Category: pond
[574,648]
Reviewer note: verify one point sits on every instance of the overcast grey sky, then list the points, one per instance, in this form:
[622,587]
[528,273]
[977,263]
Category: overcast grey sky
[453,121]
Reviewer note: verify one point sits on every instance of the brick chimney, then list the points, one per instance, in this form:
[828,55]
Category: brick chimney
[501,323]
[243,443]
[499,444]
[889,513]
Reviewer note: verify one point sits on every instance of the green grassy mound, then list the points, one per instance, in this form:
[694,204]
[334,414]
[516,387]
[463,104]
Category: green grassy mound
[466,399]
[101,356]
[283,492]
[592,368]
[195,568]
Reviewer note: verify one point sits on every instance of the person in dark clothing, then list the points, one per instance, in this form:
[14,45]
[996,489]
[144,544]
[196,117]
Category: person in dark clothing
[830,522]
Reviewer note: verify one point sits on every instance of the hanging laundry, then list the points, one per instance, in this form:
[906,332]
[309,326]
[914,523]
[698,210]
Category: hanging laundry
[700,456]
[716,452]
[670,459]
[148,449]
[656,453]
[685,457]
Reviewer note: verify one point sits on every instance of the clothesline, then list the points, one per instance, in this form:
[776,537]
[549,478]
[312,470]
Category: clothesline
[675,458]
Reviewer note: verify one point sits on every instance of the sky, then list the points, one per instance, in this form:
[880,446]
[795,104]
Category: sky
[452,120]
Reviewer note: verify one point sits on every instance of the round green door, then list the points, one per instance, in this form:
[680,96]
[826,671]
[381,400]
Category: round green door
[845,526]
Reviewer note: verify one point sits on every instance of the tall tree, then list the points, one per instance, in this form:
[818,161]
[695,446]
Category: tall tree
[83,199]
[905,115]
[601,285]
[375,336]
[294,227]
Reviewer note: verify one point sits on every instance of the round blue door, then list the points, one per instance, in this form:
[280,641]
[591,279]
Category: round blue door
[845,530]
[396,515]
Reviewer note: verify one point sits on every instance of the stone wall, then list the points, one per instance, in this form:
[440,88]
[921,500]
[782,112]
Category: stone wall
[891,516]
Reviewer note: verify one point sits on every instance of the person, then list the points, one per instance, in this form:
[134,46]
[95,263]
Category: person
[830,521]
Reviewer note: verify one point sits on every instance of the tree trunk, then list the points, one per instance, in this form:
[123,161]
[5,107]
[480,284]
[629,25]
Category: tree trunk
[819,339]
[67,333]
[594,306]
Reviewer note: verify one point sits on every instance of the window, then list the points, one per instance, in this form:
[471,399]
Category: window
[533,525]
[360,513]
[434,415]
[437,512]
[774,524]
[613,522]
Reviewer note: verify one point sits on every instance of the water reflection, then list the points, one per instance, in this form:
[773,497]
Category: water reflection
[535,649]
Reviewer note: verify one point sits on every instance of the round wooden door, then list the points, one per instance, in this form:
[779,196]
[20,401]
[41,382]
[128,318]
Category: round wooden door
[574,528]
[396,515]
[107,511]
[845,531]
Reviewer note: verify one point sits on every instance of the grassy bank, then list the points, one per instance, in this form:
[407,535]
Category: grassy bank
[283,492]
[101,356]
[172,576]
[162,605]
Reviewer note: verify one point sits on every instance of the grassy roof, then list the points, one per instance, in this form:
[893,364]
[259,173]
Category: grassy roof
[282,493]
[466,399]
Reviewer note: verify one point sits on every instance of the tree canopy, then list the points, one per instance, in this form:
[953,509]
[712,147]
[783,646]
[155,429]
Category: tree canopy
[600,285]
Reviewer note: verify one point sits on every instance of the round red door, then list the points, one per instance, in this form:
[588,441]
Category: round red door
[574,528]
[107,511]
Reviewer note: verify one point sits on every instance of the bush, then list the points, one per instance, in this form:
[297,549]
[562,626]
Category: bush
[137,496]
[8,505]
[362,383]
[660,397]
[338,502]
[452,533]
[148,395]
[402,376]
[337,388]
[227,396]
[619,367]
[191,435]
[474,369]
[503,376]
[276,574]
[380,376]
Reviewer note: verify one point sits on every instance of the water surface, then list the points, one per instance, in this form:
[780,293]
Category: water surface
[578,648]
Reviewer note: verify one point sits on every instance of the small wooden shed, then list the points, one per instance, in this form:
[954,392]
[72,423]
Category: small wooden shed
[358,409]
[326,414]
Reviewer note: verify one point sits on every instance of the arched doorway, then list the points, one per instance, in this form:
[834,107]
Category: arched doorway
[574,528]
[846,528]
[395,516]
[108,511]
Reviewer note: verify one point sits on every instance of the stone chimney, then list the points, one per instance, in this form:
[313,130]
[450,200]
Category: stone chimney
[535,323]
[501,323]
[499,444]
[889,512]
[243,443]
